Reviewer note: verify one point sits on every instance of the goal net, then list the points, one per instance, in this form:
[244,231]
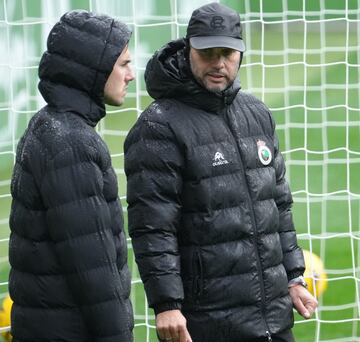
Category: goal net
[302,60]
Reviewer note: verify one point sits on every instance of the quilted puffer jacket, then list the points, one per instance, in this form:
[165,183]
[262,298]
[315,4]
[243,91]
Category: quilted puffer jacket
[209,206]
[69,278]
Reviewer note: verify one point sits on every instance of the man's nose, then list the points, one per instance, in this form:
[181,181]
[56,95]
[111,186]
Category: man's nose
[131,75]
[218,61]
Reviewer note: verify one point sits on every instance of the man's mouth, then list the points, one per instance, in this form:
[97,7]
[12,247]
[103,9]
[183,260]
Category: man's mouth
[216,76]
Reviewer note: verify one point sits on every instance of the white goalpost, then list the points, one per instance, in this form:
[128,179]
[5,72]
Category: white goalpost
[302,59]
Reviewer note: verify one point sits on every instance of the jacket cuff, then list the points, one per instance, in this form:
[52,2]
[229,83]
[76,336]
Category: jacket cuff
[294,274]
[158,308]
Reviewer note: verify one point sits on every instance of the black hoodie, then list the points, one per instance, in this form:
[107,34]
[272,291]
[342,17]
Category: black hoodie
[209,206]
[69,278]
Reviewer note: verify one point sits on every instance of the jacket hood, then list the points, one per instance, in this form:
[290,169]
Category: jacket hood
[82,49]
[168,75]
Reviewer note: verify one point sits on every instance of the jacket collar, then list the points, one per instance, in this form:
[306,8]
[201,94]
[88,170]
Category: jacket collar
[65,99]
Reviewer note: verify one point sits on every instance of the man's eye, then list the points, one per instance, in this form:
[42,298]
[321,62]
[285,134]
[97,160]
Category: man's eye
[227,52]
[206,52]
[209,53]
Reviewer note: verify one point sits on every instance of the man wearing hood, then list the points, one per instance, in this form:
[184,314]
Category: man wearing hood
[209,206]
[69,278]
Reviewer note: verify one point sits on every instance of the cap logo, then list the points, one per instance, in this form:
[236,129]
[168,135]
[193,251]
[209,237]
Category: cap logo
[217,22]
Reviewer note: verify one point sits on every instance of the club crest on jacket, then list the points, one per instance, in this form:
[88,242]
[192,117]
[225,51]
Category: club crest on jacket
[264,152]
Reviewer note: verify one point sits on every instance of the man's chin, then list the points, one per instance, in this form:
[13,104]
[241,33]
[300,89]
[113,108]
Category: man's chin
[114,102]
[216,88]
[213,87]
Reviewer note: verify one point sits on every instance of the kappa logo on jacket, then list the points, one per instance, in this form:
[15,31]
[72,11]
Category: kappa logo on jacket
[219,159]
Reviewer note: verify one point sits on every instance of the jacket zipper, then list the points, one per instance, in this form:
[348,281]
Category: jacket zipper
[252,216]
[201,276]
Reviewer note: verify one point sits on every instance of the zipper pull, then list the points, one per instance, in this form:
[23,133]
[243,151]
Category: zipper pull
[268,336]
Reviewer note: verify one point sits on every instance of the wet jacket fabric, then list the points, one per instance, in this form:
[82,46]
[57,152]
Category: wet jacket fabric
[209,206]
[69,278]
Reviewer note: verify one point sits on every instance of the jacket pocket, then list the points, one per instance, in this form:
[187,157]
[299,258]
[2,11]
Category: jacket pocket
[198,279]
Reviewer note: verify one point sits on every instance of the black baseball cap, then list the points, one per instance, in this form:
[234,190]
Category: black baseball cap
[215,25]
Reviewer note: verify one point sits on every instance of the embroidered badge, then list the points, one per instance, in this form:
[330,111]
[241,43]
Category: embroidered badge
[219,159]
[264,152]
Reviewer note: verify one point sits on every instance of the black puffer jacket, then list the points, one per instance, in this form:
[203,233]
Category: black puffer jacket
[68,253]
[210,223]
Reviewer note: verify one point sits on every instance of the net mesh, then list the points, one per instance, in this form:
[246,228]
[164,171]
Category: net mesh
[302,60]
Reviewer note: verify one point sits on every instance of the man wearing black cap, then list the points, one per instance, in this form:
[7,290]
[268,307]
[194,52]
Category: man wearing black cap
[209,206]
[69,278]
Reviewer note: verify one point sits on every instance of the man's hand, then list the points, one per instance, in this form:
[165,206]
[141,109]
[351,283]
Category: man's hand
[304,303]
[171,326]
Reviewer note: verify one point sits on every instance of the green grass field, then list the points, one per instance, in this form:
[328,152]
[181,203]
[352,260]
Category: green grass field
[314,97]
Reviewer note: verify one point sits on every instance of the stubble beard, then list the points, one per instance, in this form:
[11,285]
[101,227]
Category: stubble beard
[212,88]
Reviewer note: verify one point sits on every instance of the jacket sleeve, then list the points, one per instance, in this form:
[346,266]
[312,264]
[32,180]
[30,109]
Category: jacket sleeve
[79,222]
[293,259]
[153,165]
